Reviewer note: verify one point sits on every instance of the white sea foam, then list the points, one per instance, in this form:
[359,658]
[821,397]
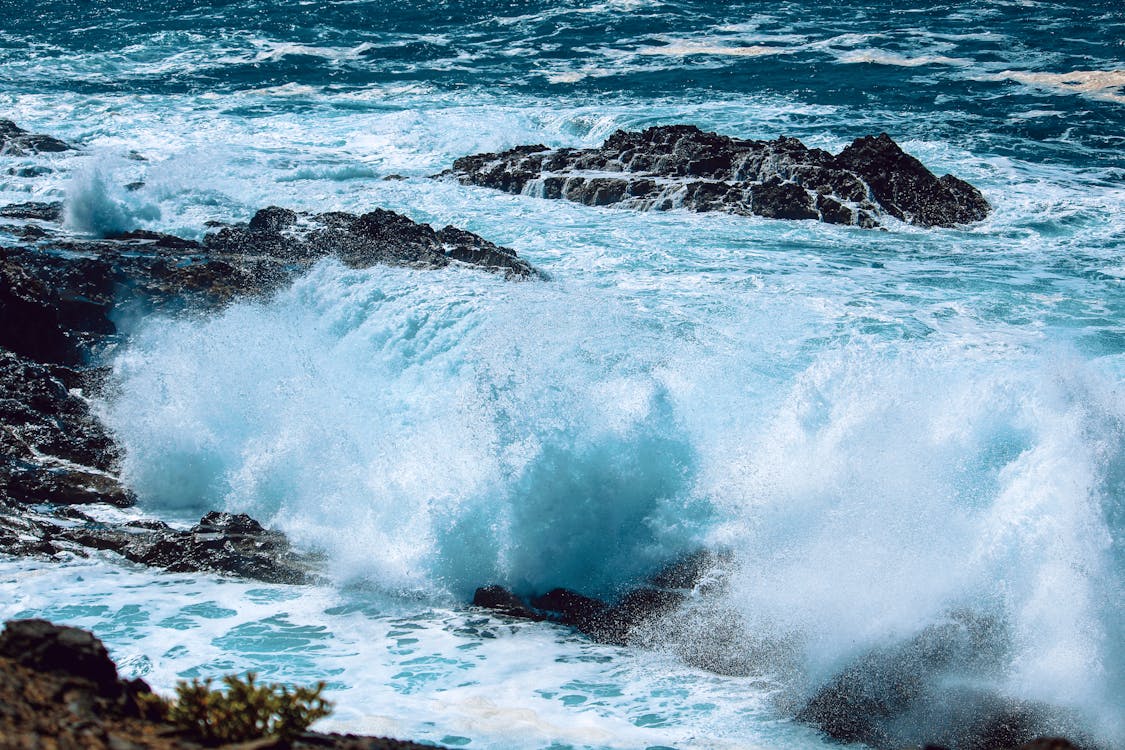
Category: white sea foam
[885,57]
[393,669]
[688,48]
[1097,84]
[97,204]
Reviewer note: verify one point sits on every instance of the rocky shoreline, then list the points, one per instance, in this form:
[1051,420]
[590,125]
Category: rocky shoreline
[60,296]
[59,299]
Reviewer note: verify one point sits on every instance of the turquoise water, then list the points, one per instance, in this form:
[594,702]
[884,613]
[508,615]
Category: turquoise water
[881,427]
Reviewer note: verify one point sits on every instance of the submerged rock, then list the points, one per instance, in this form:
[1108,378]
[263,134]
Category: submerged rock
[504,602]
[932,689]
[927,691]
[15,141]
[617,622]
[681,166]
[600,620]
[28,172]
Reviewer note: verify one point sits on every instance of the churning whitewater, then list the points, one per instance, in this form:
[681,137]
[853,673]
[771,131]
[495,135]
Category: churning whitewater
[883,436]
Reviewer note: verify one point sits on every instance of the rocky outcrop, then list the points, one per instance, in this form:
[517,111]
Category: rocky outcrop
[220,543]
[379,236]
[59,298]
[46,422]
[29,315]
[15,141]
[82,279]
[60,689]
[33,210]
[616,622]
[926,691]
[681,166]
[43,647]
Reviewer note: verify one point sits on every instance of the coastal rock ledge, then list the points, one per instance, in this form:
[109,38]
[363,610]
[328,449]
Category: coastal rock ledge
[681,166]
[61,298]
[15,141]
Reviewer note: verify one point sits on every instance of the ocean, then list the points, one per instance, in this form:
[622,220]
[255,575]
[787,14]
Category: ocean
[879,429]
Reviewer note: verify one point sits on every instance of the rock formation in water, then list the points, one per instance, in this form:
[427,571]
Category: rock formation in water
[933,689]
[930,690]
[615,622]
[15,141]
[60,689]
[361,241]
[680,166]
[59,296]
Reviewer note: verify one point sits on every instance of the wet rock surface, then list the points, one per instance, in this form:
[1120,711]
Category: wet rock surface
[932,689]
[619,622]
[15,141]
[60,689]
[52,211]
[219,543]
[681,166]
[911,694]
[45,420]
[377,237]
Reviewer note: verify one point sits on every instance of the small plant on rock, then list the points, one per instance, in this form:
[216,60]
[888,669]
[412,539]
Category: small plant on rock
[245,710]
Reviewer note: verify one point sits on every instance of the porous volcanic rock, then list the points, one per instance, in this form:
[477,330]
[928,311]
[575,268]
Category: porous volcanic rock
[681,166]
[377,237]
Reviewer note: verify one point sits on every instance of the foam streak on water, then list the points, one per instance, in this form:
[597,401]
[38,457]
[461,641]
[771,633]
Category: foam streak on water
[883,429]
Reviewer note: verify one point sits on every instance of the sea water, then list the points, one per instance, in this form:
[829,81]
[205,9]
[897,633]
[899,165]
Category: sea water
[879,428]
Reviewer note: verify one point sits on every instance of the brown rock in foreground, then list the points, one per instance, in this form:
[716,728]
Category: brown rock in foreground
[59,690]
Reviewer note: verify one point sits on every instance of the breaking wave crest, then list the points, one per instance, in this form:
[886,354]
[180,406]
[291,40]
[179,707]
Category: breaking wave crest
[433,432]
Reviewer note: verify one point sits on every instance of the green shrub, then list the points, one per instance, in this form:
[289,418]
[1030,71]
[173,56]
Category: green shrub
[245,710]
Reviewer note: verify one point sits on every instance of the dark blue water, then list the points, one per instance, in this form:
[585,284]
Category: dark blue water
[955,71]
